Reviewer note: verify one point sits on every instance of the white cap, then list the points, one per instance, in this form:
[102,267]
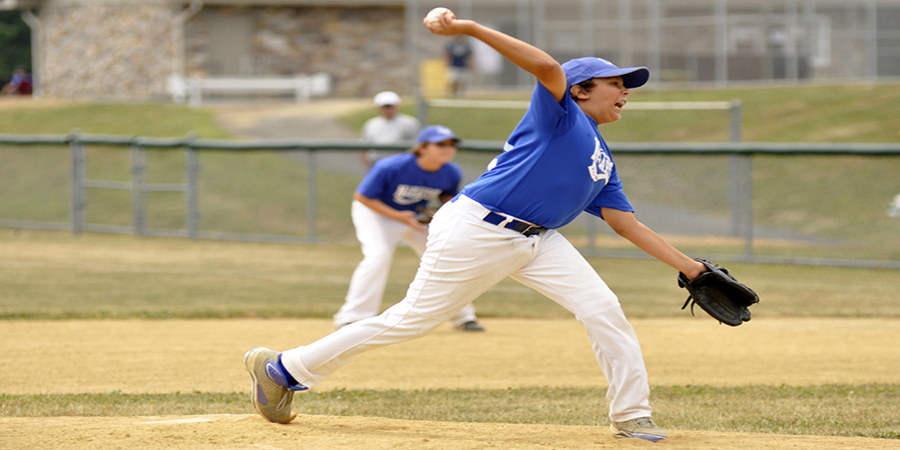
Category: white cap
[387,98]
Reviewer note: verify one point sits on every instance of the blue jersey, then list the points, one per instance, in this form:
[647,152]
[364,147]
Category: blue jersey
[459,52]
[554,166]
[400,183]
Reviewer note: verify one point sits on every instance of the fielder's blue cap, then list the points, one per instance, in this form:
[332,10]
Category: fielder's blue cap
[436,133]
[582,69]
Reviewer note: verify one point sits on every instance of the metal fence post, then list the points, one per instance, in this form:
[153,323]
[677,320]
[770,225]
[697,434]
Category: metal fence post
[137,189]
[721,50]
[524,32]
[744,181]
[654,13]
[748,204]
[735,172]
[871,15]
[312,193]
[421,107]
[76,150]
[741,184]
[736,195]
[737,119]
[192,168]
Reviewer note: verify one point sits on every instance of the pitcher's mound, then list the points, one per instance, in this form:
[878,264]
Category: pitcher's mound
[333,432]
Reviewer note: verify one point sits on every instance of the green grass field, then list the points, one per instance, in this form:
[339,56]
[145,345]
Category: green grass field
[114,276]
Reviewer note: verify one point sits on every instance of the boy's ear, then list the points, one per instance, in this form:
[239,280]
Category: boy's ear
[579,93]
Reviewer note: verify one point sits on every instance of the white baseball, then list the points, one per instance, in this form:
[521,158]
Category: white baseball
[434,17]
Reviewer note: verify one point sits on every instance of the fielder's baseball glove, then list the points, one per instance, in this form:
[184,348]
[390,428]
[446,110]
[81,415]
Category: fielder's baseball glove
[719,294]
[424,215]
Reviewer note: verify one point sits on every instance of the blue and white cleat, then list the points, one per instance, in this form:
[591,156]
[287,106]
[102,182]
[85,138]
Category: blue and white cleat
[641,428]
[271,394]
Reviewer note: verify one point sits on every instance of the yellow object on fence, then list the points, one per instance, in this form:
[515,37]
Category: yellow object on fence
[433,78]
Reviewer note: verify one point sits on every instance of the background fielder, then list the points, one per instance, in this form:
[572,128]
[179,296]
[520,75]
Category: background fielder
[384,210]
[555,165]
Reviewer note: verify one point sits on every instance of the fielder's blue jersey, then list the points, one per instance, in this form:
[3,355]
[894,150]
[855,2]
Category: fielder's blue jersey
[400,183]
[554,166]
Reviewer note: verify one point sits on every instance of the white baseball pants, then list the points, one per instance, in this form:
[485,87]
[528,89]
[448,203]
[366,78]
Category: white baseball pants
[464,257]
[379,237]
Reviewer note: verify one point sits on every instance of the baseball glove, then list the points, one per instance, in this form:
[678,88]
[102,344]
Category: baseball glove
[719,294]
[424,215]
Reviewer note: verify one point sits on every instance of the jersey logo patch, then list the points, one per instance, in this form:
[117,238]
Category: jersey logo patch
[407,195]
[601,165]
[506,147]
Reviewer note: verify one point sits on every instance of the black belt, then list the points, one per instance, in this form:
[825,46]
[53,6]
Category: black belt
[522,227]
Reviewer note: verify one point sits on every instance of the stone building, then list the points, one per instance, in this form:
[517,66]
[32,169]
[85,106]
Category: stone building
[127,49]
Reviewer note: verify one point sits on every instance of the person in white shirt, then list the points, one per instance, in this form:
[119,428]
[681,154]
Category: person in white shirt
[390,127]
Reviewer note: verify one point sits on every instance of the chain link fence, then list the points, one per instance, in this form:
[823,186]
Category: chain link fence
[716,42]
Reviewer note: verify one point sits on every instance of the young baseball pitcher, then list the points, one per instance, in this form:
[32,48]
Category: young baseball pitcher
[555,165]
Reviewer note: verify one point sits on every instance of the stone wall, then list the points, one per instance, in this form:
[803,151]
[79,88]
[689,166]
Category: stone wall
[361,48]
[107,50]
[124,49]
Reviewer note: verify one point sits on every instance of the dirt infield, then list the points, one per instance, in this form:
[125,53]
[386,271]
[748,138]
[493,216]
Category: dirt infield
[136,356]
[141,356]
[217,432]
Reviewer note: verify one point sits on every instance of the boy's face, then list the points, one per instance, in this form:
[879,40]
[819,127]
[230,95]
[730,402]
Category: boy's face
[388,111]
[438,153]
[605,101]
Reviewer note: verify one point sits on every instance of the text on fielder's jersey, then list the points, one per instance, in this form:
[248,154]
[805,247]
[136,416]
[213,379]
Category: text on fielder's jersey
[400,183]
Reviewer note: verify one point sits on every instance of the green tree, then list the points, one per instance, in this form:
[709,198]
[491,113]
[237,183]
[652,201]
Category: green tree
[15,44]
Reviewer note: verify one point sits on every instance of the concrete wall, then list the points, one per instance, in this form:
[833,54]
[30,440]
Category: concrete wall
[362,48]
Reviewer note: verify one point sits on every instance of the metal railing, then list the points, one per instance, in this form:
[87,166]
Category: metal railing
[742,226]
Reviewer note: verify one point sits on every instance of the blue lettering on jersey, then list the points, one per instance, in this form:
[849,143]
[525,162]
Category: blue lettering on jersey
[401,184]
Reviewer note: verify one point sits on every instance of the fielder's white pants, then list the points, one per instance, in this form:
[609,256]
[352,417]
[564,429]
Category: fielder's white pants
[464,257]
[379,237]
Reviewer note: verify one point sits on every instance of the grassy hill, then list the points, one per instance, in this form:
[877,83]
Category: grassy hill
[848,113]
[26,116]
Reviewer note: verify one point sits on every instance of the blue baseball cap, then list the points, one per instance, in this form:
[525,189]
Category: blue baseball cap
[582,69]
[436,133]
